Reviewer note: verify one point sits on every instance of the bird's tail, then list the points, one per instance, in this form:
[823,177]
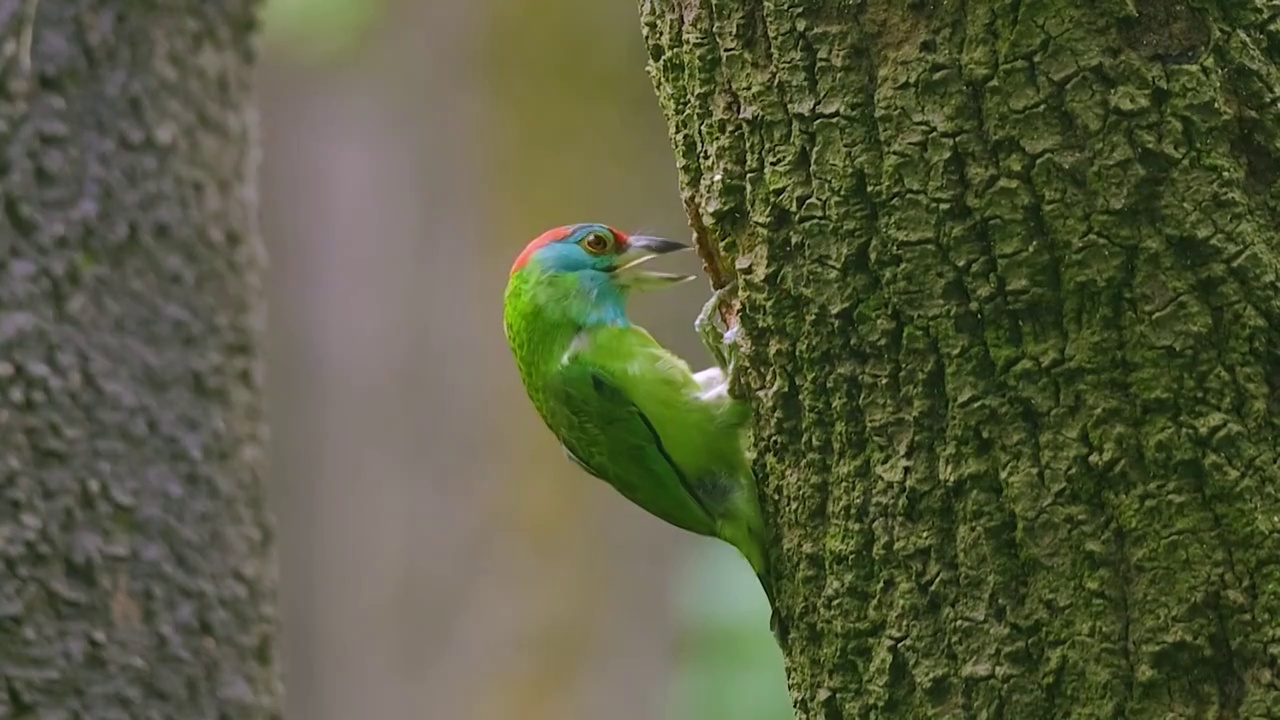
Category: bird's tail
[765,576]
[745,530]
[760,563]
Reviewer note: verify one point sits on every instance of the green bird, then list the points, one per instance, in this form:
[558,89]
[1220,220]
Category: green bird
[627,410]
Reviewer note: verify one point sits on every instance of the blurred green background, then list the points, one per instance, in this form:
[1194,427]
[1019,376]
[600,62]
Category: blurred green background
[439,556]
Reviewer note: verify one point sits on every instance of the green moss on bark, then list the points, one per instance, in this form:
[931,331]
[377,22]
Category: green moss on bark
[135,580]
[1011,316]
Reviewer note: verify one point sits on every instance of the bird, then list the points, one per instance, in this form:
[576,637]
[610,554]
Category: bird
[625,409]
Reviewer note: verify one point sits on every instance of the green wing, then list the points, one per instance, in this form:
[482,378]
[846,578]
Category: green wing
[604,432]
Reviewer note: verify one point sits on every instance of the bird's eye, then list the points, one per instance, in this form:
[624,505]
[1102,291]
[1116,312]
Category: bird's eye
[596,243]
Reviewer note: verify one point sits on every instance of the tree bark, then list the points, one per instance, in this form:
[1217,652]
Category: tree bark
[135,577]
[1010,311]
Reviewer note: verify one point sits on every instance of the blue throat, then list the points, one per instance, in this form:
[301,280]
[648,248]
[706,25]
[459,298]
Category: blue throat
[598,301]
[607,304]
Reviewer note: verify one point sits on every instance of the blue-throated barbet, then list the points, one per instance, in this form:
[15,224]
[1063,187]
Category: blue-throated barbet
[627,410]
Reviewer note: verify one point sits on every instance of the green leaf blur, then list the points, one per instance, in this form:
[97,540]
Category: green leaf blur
[731,667]
[320,31]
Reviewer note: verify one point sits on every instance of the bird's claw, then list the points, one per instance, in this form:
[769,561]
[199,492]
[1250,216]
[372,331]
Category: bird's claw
[722,344]
[708,330]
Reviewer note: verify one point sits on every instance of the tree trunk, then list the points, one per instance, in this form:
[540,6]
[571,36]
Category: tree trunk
[135,578]
[1010,310]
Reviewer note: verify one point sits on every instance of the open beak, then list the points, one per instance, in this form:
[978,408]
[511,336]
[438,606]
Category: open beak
[642,249]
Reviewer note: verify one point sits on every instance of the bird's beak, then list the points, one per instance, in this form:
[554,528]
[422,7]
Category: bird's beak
[641,249]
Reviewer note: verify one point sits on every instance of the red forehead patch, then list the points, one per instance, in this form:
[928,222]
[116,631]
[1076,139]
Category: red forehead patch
[553,235]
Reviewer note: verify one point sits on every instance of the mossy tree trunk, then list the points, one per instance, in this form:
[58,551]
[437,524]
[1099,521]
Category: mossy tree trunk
[135,579]
[1010,317]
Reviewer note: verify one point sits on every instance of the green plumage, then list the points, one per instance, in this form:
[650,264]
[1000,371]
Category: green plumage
[625,409]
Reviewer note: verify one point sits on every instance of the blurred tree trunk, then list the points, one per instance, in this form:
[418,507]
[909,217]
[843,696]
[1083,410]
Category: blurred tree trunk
[1011,316]
[135,578]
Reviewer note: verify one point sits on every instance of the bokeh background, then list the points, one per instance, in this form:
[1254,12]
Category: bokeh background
[440,558]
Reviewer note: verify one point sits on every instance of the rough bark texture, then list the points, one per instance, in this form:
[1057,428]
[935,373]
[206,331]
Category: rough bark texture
[135,579]
[1011,317]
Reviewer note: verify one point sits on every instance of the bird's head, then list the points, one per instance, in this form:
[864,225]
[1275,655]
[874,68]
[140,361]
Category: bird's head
[600,254]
